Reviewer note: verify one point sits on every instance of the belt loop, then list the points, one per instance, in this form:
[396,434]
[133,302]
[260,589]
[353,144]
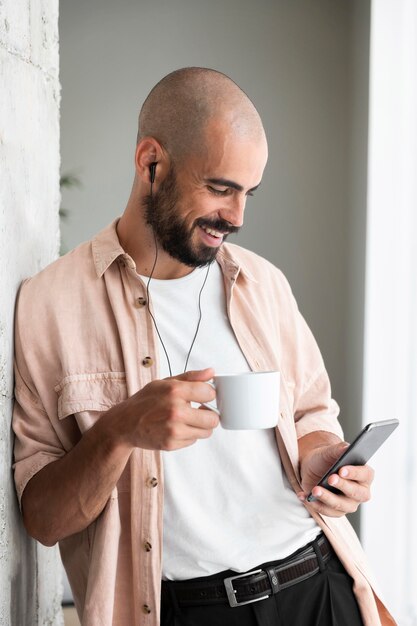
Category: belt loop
[273,579]
[319,555]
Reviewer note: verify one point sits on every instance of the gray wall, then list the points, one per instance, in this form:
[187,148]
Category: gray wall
[358,78]
[30,588]
[305,66]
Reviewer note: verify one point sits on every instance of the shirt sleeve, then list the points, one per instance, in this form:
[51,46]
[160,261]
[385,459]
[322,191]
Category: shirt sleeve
[313,407]
[316,410]
[36,442]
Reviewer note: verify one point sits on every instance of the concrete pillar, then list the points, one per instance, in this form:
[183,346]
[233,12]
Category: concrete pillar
[30,581]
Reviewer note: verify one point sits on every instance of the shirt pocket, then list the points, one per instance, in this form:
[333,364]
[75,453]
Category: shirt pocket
[85,397]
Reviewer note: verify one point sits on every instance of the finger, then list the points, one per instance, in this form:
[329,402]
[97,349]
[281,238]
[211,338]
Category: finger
[324,509]
[180,415]
[359,473]
[177,444]
[328,503]
[338,503]
[196,375]
[190,391]
[182,435]
[202,419]
[351,488]
[332,453]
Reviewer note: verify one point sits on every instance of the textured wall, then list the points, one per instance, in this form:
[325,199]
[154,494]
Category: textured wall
[29,232]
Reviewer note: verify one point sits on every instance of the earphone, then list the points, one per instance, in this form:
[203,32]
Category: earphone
[152,170]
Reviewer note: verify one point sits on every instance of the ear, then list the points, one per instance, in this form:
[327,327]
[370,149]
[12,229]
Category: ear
[149,151]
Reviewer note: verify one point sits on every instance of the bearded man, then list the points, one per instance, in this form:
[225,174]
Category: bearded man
[155,506]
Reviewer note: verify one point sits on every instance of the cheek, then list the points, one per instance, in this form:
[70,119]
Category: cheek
[200,206]
[200,203]
[208,203]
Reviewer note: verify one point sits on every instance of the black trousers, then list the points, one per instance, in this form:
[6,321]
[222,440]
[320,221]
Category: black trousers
[325,599]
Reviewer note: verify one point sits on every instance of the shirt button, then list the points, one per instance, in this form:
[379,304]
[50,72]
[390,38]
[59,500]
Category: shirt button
[147,546]
[147,361]
[146,609]
[152,482]
[140,302]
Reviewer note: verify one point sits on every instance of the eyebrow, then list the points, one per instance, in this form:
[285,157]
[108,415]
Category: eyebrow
[224,182]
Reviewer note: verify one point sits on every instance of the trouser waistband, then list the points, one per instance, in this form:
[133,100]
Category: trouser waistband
[255,585]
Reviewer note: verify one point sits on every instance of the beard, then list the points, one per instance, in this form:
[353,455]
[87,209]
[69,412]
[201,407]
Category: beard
[174,236]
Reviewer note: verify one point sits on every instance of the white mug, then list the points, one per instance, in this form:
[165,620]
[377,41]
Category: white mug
[247,401]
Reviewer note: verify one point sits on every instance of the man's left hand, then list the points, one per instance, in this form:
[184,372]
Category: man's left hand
[354,482]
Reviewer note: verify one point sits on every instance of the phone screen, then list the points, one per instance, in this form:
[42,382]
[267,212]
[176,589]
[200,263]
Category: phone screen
[360,450]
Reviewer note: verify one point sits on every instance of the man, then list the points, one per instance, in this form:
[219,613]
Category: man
[115,457]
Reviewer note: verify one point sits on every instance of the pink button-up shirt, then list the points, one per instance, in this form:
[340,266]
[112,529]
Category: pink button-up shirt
[84,342]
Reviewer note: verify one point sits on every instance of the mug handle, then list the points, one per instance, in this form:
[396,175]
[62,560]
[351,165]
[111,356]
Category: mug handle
[207,405]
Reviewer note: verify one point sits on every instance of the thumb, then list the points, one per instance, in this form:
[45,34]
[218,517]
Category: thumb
[196,375]
[333,452]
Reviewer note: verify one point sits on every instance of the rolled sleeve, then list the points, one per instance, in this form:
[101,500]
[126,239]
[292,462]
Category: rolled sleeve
[36,442]
[313,407]
[316,409]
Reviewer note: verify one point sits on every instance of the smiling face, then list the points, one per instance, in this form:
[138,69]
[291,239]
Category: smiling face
[203,200]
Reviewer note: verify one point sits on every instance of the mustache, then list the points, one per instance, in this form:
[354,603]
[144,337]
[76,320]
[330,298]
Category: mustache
[222,226]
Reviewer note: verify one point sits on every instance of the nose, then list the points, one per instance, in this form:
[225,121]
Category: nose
[234,212]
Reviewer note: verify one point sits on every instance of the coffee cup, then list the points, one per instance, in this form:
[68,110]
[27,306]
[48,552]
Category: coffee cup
[247,401]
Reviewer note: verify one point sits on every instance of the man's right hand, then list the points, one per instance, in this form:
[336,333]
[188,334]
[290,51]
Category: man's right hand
[65,496]
[160,415]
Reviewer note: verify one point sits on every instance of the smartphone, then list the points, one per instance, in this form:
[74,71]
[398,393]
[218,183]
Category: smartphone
[360,450]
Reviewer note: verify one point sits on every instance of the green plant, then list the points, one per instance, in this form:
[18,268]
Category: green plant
[67,181]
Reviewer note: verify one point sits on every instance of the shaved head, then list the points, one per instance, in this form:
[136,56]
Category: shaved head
[179,109]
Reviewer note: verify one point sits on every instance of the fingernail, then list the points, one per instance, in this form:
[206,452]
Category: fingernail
[333,481]
[344,472]
[318,493]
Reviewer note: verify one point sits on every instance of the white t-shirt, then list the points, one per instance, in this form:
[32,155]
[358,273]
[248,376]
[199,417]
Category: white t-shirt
[228,503]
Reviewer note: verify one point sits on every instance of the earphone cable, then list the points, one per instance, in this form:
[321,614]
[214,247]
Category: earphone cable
[200,317]
[151,314]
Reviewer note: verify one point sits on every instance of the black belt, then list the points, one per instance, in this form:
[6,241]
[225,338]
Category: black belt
[255,585]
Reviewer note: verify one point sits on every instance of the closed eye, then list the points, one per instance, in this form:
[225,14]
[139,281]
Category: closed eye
[226,192]
[227,187]
[219,192]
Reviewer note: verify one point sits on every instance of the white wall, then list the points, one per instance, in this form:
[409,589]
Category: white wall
[391,301]
[302,64]
[30,589]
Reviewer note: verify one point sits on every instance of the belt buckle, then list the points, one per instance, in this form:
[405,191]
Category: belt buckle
[231,593]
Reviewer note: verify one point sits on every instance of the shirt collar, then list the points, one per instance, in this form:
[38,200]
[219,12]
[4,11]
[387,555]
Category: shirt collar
[106,249]
[232,266]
